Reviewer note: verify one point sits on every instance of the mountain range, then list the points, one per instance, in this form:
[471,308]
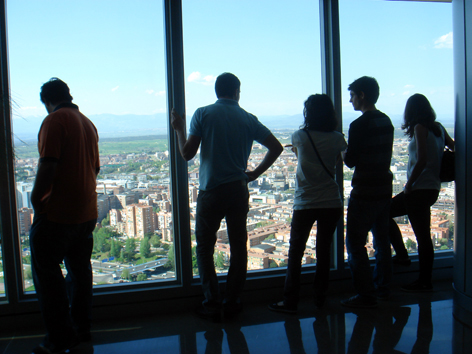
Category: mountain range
[111,125]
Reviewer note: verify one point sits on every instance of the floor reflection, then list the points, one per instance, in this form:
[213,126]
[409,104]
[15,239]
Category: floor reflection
[416,325]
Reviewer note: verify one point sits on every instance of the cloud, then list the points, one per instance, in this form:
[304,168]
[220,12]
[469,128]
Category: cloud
[150,92]
[408,86]
[115,88]
[199,79]
[28,108]
[160,93]
[444,41]
[406,93]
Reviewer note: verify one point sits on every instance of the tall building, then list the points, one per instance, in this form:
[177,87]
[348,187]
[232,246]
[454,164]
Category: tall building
[140,220]
[25,219]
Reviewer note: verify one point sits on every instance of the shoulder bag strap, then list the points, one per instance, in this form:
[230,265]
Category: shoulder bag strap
[318,154]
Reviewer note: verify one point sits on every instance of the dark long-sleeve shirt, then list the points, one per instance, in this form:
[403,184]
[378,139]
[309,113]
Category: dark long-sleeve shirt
[369,150]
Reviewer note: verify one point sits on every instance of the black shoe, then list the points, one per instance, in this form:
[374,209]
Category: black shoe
[280,307]
[359,302]
[208,314]
[417,287]
[231,309]
[401,261]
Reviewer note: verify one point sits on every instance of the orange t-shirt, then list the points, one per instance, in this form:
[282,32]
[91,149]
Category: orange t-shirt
[71,139]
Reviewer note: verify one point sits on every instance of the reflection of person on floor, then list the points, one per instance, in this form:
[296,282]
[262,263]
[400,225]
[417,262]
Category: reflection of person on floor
[294,336]
[325,340]
[236,341]
[424,333]
[388,330]
[318,147]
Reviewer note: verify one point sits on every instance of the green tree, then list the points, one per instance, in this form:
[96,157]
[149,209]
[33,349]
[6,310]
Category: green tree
[220,260]
[273,265]
[125,274]
[141,277]
[115,248]
[282,264]
[155,241]
[270,237]
[145,248]
[101,239]
[410,244]
[130,247]
[194,260]
[170,264]
[106,221]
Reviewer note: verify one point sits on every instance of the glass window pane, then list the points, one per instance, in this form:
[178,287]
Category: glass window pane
[407,47]
[111,54]
[274,49]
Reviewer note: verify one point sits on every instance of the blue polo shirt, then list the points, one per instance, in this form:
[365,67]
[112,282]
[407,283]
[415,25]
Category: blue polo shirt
[227,132]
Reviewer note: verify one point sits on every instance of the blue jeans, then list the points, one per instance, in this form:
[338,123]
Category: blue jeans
[230,201]
[64,303]
[302,222]
[363,216]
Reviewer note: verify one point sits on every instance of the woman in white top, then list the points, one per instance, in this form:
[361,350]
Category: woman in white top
[427,141]
[317,198]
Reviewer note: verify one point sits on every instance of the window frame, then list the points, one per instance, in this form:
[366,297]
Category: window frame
[16,301]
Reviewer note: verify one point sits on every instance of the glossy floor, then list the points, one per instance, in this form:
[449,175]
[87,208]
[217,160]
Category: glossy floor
[407,323]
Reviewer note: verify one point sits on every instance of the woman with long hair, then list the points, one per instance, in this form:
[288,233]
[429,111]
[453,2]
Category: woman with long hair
[427,141]
[317,198]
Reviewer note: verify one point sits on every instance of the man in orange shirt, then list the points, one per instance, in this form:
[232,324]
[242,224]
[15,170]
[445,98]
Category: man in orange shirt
[65,213]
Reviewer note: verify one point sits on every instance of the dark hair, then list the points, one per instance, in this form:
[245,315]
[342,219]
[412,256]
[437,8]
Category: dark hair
[55,91]
[226,84]
[369,86]
[418,110]
[319,114]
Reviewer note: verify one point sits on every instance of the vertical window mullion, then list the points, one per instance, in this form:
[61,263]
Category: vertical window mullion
[8,229]
[331,80]
[178,166]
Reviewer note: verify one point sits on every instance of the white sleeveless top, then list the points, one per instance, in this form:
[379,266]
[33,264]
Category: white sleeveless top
[429,178]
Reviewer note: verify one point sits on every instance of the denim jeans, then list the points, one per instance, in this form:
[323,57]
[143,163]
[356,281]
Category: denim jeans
[302,222]
[363,216]
[230,201]
[417,206]
[64,303]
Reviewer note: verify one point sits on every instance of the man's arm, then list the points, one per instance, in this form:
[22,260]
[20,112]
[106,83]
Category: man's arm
[188,147]
[351,155]
[275,149]
[43,184]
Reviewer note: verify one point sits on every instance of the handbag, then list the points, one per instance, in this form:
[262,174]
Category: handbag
[447,172]
[318,154]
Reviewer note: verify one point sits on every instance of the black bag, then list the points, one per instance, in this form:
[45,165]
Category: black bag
[447,173]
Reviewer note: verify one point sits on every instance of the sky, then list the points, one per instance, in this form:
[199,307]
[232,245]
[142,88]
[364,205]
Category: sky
[112,55]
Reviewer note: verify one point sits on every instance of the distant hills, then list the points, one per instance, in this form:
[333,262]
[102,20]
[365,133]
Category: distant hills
[112,126]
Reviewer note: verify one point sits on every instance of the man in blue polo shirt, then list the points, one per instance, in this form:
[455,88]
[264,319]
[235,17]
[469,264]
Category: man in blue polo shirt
[226,133]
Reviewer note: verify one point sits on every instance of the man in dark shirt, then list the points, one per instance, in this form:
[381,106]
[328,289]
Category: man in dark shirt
[65,213]
[369,151]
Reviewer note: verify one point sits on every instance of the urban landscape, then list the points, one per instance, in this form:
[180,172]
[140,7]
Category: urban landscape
[134,237]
